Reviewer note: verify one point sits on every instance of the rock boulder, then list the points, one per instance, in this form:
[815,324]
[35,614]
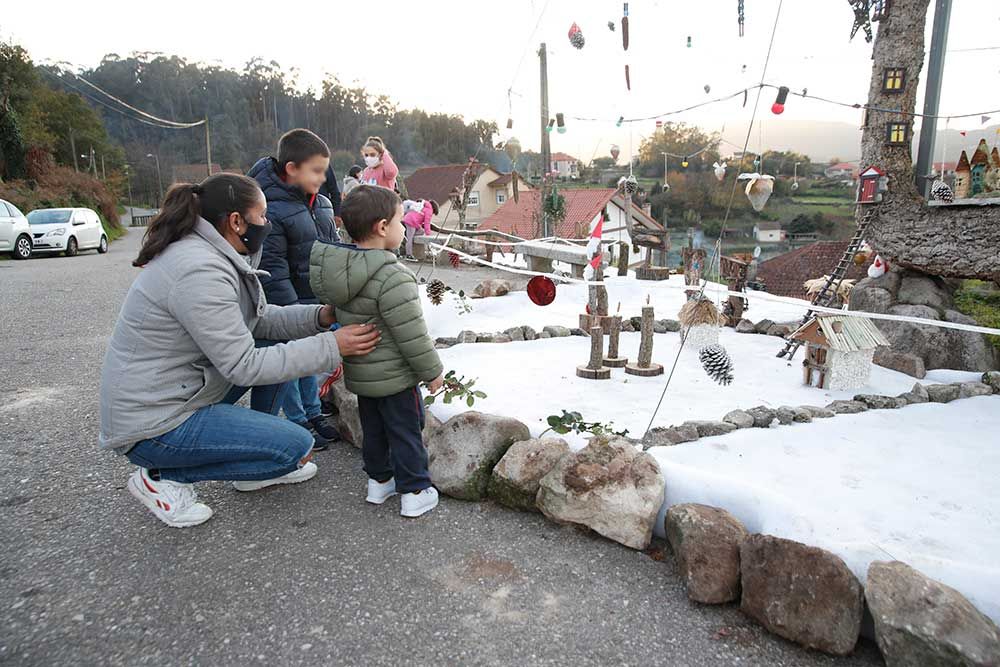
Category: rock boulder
[515,478]
[706,541]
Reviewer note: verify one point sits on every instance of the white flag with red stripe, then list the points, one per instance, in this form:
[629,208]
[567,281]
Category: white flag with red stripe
[594,248]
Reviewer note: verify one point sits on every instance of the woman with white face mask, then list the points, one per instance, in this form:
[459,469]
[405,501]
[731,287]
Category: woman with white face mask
[380,169]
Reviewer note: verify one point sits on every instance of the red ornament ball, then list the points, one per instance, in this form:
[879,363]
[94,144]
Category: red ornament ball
[777,108]
[541,290]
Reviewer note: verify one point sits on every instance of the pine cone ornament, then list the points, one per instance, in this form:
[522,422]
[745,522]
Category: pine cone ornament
[716,363]
[576,36]
[454,259]
[435,291]
[941,192]
[630,184]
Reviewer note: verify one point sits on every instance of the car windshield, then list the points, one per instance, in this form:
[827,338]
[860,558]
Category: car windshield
[49,217]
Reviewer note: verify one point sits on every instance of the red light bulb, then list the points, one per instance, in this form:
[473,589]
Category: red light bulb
[777,108]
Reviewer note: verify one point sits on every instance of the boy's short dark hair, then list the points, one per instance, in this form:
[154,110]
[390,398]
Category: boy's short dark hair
[355,171]
[366,205]
[297,146]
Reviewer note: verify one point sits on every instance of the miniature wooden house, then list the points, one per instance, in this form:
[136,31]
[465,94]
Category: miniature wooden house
[978,165]
[873,183]
[839,351]
[963,176]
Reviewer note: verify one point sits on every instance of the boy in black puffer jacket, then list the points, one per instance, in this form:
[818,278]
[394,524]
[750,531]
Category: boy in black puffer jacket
[299,216]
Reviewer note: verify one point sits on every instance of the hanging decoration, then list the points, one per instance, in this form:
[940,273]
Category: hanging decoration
[716,362]
[435,291]
[611,26]
[541,290]
[513,149]
[862,20]
[510,123]
[454,259]
[576,36]
[745,91]
[684,163]
[615,152]
[629,184]
[941,192]
[863,254]
[739,17]
[625,28]
[720,170]
[779,102]
[689,41]
[628,80]
[594,255]
[708,89]
[560,123]
[555,206]
[758,190]
[621,119]
[878,268]
[983,119]
[756,163]
[552,123]
[743,69]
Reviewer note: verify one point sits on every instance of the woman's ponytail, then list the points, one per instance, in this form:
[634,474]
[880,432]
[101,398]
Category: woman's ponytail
[213,199]
[177,218]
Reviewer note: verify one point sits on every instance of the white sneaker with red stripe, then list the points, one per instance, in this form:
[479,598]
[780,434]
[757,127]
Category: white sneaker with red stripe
[304,472]
[173,503]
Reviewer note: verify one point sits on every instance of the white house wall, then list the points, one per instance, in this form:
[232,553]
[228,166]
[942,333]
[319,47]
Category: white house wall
[615,230]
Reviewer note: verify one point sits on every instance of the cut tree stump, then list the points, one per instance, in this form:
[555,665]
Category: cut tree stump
[613,360]
[595,370]
[644,366]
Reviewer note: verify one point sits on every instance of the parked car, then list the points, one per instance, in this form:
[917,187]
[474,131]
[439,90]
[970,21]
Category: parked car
[66,230]
[15,234]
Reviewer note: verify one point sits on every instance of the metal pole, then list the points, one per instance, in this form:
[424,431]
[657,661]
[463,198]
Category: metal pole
[104,172]
[208,146]
[932,95]
[546,149]
[131,208]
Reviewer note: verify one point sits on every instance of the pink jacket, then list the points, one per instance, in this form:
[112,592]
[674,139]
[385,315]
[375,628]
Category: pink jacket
[420,219]
[384,174]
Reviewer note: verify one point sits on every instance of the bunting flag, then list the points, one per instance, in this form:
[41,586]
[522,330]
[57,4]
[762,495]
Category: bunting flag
[594,250]
[984,119]
[963,133]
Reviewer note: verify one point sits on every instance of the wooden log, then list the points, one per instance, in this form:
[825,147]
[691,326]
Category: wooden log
[595,369]
[644,365]
[613,360]
[623,258]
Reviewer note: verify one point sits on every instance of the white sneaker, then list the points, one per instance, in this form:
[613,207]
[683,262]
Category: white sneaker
[173,503]
[306,472]
[379,492]
[415,504]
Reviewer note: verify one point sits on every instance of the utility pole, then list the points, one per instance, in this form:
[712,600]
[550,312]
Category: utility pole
[932,96]
[72,147]
[131,209]
[208,146]
[104,172]
[546,149]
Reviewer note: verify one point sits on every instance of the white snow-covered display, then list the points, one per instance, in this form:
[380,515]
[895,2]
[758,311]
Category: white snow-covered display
[839,350]
[701,335]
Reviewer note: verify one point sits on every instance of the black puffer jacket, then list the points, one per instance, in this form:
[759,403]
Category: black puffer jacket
[296,226]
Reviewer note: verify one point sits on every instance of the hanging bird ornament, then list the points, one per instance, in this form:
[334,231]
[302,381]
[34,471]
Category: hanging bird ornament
[576,36]
[862,19]
[615,152]
[716,362]
[758,190]
[720,170]
[878,268]
[611,26]
[941,192]
[708,89]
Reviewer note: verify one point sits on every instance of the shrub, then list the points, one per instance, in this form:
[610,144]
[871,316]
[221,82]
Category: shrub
[62,187]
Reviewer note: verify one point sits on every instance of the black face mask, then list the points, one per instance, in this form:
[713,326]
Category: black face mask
[253,237]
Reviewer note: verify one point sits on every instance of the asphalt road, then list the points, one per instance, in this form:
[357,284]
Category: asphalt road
[297,575]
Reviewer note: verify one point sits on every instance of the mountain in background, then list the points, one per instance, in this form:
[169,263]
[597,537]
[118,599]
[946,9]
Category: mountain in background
[823,141]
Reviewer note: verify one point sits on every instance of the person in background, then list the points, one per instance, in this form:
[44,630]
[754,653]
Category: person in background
[352,181]
[380,169]
[367,283]
[301,216]
[182,354]
[418,220]
[331,190]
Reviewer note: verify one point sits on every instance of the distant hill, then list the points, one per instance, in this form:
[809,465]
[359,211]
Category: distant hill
[823,141]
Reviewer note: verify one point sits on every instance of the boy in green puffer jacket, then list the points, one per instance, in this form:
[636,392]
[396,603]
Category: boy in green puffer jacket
[367,283]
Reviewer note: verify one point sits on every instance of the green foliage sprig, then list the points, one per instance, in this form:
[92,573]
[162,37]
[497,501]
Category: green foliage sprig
[456,387]
[573,421]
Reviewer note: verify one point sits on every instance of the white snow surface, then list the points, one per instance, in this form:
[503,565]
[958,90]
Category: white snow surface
[916,484]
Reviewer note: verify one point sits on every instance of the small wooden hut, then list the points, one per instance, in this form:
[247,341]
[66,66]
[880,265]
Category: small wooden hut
[839,350]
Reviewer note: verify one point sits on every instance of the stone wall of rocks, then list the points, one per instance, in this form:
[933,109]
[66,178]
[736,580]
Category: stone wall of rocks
[524,333]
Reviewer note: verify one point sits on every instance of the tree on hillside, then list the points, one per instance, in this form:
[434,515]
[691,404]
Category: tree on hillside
[677,139]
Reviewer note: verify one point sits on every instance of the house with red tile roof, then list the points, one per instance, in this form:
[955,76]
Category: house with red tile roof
[842,170]
[490,191]
[785,274]
[584,207]
[565,165]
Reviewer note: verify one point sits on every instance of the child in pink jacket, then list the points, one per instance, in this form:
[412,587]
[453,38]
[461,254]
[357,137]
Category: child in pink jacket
[380,168]
[418,221]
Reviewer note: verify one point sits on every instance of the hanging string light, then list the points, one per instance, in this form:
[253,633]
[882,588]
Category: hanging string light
[625,28]
[779,102]
[560,123]
[739,9]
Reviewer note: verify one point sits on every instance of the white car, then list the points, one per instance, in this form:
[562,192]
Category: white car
[67,230]
[15,234]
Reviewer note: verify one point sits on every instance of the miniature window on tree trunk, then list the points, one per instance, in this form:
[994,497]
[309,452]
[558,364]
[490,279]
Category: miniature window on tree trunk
[897,134]
[880,10]
[893,80]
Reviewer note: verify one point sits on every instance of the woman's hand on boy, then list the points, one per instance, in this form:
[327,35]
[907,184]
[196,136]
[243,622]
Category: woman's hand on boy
[356,340]
[327,316]
[434,386]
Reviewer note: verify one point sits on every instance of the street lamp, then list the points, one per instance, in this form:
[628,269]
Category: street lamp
[159,179]
[795,176]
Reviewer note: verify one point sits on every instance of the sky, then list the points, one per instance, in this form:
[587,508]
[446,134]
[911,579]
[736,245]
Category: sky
[462,56]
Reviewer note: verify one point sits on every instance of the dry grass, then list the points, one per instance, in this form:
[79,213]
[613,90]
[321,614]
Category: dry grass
[700,311]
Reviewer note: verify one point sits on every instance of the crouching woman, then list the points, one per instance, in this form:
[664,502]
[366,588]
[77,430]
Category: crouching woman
[182,354]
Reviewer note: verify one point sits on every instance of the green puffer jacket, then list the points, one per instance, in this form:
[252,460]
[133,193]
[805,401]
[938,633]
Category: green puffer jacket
[372,286]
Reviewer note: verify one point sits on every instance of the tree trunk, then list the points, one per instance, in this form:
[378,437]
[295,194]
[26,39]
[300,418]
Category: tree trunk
[646,338]
[596,348]
[959,241]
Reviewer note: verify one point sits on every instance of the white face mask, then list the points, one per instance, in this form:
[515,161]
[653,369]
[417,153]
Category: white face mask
[371,160]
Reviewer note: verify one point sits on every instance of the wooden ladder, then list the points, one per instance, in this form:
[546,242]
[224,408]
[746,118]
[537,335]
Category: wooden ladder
[829,289]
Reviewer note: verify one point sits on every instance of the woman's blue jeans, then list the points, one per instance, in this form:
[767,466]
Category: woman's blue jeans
[226,442]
